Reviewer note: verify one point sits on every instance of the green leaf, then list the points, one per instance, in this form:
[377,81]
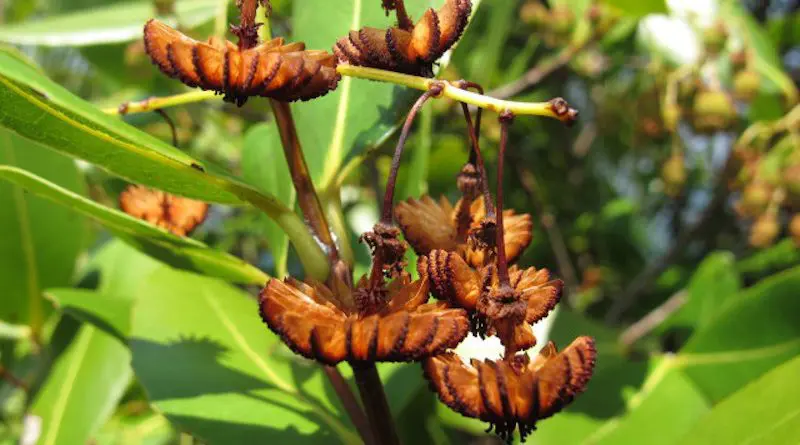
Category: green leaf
[83,388]
[639,8]
[767,60]
[753,333]
[37,108]
[264,166]
[111,315]
[180,252]
[765,412]
[714,283]
[224,383]
[359,113]
[40,241]
[783,255]
[121,22]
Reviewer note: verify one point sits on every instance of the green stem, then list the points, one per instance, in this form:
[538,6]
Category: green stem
[157,103]
[546,109]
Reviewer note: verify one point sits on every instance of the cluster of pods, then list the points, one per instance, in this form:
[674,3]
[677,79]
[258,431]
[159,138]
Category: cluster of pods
[463,249]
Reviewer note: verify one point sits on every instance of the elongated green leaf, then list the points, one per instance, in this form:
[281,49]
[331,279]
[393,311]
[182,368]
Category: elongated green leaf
[717,361]
[184,253]
[765,412]
[83,387]
[358,113]
[224,383]
[40,241]
[263,164]
[111,315]
[638,8]
[121,22]
[767,61]
[713,284]
[37,108]
[728,353]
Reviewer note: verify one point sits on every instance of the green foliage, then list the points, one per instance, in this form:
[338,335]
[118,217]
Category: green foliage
[153,338]
[40,241]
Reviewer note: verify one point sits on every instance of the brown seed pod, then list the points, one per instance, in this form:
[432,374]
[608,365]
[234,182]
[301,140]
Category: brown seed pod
[515,392]
[174,213]
[428,225]
[408,51]
[454,281]
[272,69]
[321,325]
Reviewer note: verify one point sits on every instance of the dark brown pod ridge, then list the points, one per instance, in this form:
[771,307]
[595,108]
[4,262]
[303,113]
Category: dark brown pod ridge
[316,324]
[286,72]
[174,213]
[516,392]
[407,51]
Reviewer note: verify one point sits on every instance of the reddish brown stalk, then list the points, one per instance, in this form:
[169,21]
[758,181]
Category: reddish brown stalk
[247,30]
[475,155]
[375,404]
[403,20]
[306,194]
[350,403]
[13,380]
[506,118]
[171,124]
[387,215]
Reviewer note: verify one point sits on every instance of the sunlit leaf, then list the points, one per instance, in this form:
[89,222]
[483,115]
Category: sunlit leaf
[40,240]
[240,390]
[121,22]
[180,252]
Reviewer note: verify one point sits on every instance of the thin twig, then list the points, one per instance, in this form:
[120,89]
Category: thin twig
[653,319]
[12,379]
[171,125]
[539,72]
[645,279]
[554,235]
[307,197]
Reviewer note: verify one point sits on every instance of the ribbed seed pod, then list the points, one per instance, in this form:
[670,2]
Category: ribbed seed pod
[454,281]
[174,213]
[515,392]
[319,325]
[429,225]
[411,52]
[286,72]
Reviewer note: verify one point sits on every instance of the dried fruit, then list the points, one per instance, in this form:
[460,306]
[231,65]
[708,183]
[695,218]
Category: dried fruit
[410,50]
[174,213]
[454,281]
[755,198]
[286,72]
[516,392]
[324,324]
[765,230]
[794,228]
[429,225]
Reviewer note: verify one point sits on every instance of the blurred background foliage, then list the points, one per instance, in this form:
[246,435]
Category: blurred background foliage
[669,210]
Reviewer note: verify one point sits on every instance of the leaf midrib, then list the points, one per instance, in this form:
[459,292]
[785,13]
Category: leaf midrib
[282,385]
[27,244]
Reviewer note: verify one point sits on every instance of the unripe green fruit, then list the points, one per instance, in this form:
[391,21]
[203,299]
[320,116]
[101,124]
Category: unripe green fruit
[755,198]
[534,13]
[562,20]
[715,37]
[713,111]
[746,85]
[673,173]
[764,230]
